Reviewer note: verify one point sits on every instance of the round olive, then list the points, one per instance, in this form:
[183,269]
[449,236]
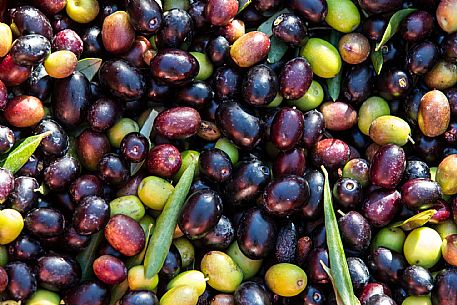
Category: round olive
[323,57]
[183,295]
[342,15]
[127,205]
[137,281]
[11,224]
[434,113]
[423,247]
[445,228]
[354,48]
[193,278]
[82,11]
[390,238]
[389,129]
[154,192]
[446,175]
[6,39]
[123,127]
[250,267]
[222,272]
[313,97]
[229,148]
[60,64]
[286,279]
[370,110]
[43,297]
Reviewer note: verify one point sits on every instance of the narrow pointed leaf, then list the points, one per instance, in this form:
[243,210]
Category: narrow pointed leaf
[393,25]
[278,49]
[415,221]
[145,131]
[334,83]
[87,257]
[89,67]
[377,60]
[242,4]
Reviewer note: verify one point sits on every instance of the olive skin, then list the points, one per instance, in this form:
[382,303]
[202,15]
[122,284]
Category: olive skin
[91,146]
[250,49]
[92,42]
[238,125]
[387,265]
[22,282]
[30,50]
[380,6]
[449,47]
[338,115]
[434,113]
[172,265]
[287,128]
[445,289]
[355,231]
[215,165]
[256,233]
[360,275]
[218,50]
[286,243]
[332,153]
[45,222]
[387,166]
[134,147]
[113,170]
[372,289]
[145,15]
[56,144]
[251,293]
[312,295]
[393,83]
[61,173]
[122,79]
[25,248]
[109,269]
[295,78]
[177,28]
[125,235]
[227,83]
[314,270]
[89,292]
[164,160]
[29,20]
[358,83]
[419,193]
[103,114]
[91,215]
[260,86]
[313,127]
[422,57]
[174,67]
[220,12]
[221,236]
[381,206]
[291,162]
[417,280]
[24,197]
[315,206]
[24,111]
[12,74]
[290,29]
[178,122]
[70,99]
[141,297]
[197,94]
[57,273]
[417,26]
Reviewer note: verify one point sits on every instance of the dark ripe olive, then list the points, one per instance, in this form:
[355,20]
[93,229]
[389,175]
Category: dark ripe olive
[227,83]
[332,153]
[338,115]
[303,248]
[125,235]
[260,86]
[164,160]
[3,95]
[374,27]
[91,146]
[360,275]
[295,78]
[91,215]
[400,294]
[113,170]
[177,29]
[178,122]
[103,114]
[380,299]
[411,105]
[386,265]
[451,95]
[429,149]
[61,173]
[215,165]
[70,99]
[358,83]
[266,5]
[25,248]
[92,42]
[57,273]
[315,206]
[372,289]
[416,26]
[158,92]
[450,136]
[139,52]
[145,15]
[45,222]
[122,79]
[39,84]
[290,29]
[30,50]
[314,270]
[117,25]
[381,206]
[313,127]
[420,193]
[393,83]
[12,74]
[196,94]
[417,280]
[247,182]
[134,147]
[256,234]
[387,166]
[33,168]
[348,193]
[312,295]
[445,289]
[422,57]
[287,128]
[238,125]
[75,241]
[7,139]
[218,50]
[109,269]
[220,12]
[197,12]
[55,144]
[220,236]
[68,40]
[201,212]
[139,297]
[22,282]
[174,67]
[24,196]
[380,6]
[318,236]
[449,47]
[62,22]
[172,265]
[286,196]
[89,292]
[416,169]
[286,243]
[251,293]
[29,20]
[3,279]
[355,231]
[291,162]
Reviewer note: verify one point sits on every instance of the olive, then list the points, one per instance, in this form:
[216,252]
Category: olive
[445,17]
[25,248]
[145,15]
[315,207]
[291,162]
[22,282]
[24,111]
[172,265]
[154,192]
[215,165]
[290,29]
[57,273]
[7,39]
[192,278]
[357,169]
[423,238]
[313,128]
[139,297]
[359,272]
[125,235]
[260,86]
[445,289]
[45,222]
[311,99]
[92,41]
[287,128]
[251,293]
[442,75]
[381,206]
[445,175]
[24,196]
[250,48]
[57,143]
[314,269]
[218,50]
[233,30]
[324,58]
[12,74]
[29,50]
[387,166]
[113,170]
[358,83]
[389,129]
[420,193]
[222,299]
[227,83]
[75,241]
[331,153]
[88,292]
[6,184]
[449,47]
[134,147]
[417,280]
[386,265]
[176,28]
[197,94]
[185,295]
[68,40]
[91,146]
[338,115]
[222,272]
[220,12]
[61,173]
[434,113]
[109,269]
[417,26]
[29,20]
[422,57]
[355,231]
[295,78]
[313,11]
[220,236]
[91,215]
[174,67]
[178,122]
[286,279]
[354,48]
[381,6]
[137,280]
[196,11]
[370,110]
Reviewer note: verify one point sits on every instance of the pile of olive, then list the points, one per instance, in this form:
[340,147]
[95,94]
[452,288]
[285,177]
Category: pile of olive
[262,93]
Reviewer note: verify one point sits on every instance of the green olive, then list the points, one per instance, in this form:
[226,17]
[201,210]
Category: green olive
[442,76]
[357,169]
[323,57]
[187,157]
[276,102]
[11,224]
[186,250]
[390,238]
[434,113]
[154,192]
[423,247]
[180,295]
[342,15]
[60,64]
[446,175]
[286,279]
[417,300]
[389,129]
[6,39]
[205,64]
[229,148]
[222,272]
[193,278]
[311,99]
[446,228]
[370,110]
[43,297]
[249,266]
[82,11]
[127,205]
[137,281]
[122,127]
[3,256]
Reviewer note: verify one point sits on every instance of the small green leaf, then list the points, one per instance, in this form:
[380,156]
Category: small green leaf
[87,257]
[377,60]
[242,4]
[334,83]
[266,27]
[21,154]
[393,25]
[145,131]
[43,189]
[89,67]
[278,49]
[415,221]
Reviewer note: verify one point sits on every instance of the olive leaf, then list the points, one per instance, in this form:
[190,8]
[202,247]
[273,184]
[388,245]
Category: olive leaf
[278,49]
[393,25]
[266,27]
[377,60]
[21,154]
[334,83]
[87,256]
[339,268]
[89,67]
[415,221]
[145,131]
[242,4]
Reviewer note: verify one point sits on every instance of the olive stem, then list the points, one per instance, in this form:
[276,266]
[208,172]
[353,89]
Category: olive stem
[327,135]
[341,213]
[410,139]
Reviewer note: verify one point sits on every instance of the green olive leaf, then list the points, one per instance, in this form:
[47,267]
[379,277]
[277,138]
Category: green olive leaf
[87,256]
[338,264]
[393,25]
[242,4]
[89,67]
[21,154]
[415,221]
[377,60]
[278,49]
[266,27]
[334,83]
[145,131]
